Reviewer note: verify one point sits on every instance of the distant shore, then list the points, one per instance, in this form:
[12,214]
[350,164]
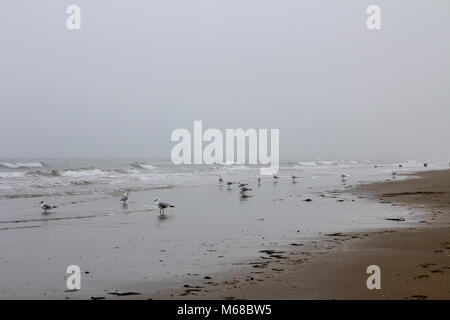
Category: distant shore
[414,259]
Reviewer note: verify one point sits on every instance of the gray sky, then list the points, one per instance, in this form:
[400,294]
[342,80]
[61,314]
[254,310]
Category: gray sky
[139,69]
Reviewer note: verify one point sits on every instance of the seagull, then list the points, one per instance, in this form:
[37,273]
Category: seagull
[124,198]
[276,177]
[243,192]
[245,196]
[243,185]
[220,179]
[162,205]
[344,177]
[229,183]
[294,177]
[46,207]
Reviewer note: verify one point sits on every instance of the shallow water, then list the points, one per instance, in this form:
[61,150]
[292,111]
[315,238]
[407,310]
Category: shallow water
[50,178]
[209,230]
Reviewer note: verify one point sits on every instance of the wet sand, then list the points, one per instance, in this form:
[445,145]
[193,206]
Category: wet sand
[288,241]
[134,249]
[414,259]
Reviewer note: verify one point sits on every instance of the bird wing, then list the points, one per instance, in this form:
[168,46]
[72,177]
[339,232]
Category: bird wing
[163,205]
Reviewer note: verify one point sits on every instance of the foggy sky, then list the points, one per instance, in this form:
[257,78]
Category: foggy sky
[137,70]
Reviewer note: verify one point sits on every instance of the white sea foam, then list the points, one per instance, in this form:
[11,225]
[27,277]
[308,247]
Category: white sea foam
[327,163]
[88,173]
[142,165]
[307,163]
[11,174]
[237,167]
[108,176]
[17,165]
[148,166]
[132,171]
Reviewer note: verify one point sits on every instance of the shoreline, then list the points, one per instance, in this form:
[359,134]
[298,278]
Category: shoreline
[291,241]
[414,258]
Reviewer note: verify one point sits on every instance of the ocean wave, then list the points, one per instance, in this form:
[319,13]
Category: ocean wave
[125,171]
[307,163]
[327,163]
[142,165]
[20,165]
[414,163]
[12,174]
[47,194]
[86,173]
[132,171]
[319,163]
[81,182]
[236,167]
[52,173]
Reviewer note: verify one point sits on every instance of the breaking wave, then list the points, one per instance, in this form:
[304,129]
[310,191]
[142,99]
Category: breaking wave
[11,174]
[22,165]
[52,173]
[142,165]
[307,163]
[87,173]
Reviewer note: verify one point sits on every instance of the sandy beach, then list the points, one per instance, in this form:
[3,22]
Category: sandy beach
[307,239]
[414,259]
[188,150]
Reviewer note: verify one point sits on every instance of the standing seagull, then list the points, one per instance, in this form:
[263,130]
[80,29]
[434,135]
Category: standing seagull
[243,192]
[293,178]
[162,205]
[244,189]
[46,207]
[124,198]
